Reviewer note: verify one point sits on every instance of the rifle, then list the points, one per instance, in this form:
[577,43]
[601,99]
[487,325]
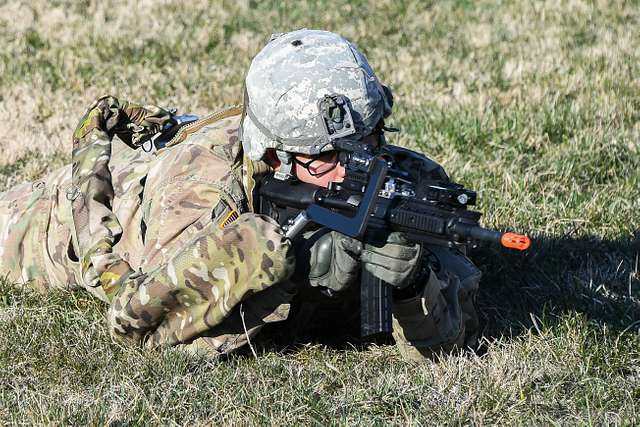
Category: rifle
[389,189]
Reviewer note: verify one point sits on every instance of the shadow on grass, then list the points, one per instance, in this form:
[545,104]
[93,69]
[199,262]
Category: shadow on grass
[588,275]
[558,275]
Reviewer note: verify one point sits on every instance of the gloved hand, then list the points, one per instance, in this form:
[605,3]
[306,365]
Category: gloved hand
[395,260]
[146,121]
[334,259]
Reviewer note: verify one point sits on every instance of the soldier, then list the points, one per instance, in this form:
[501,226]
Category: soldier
[169,236]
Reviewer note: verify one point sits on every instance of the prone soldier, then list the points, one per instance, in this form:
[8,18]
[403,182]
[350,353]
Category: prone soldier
[171,238]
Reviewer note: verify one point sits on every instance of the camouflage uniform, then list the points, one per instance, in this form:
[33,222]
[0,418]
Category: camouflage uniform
[170,240]
[167,238]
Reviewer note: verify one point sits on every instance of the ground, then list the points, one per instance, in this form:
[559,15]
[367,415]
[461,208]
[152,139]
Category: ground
[536,105]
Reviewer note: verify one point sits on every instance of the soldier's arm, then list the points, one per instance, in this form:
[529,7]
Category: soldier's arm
[97,227]
[200,285]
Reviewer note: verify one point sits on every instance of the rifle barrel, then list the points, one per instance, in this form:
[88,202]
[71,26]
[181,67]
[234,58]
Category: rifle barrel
[508,240]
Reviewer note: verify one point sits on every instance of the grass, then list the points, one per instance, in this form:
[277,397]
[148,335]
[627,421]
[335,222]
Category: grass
[60,366]
[534,104]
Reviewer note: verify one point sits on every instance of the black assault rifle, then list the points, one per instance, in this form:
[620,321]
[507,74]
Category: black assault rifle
[391,189]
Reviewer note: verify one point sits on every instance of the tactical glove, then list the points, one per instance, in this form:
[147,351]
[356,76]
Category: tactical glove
[394,260]
[333,259]
[146,121]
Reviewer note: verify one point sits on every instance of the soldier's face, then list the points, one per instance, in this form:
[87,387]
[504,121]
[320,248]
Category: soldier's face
[318,170]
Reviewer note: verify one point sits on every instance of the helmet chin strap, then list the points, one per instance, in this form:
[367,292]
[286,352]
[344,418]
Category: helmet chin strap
[284,173]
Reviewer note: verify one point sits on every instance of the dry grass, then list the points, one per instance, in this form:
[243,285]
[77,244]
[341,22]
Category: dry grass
[534,104]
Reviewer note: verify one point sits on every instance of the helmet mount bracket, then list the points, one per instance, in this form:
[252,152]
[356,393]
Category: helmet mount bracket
[335,113]
[286,164]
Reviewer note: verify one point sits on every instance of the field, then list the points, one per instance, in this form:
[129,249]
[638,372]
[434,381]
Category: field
[534,104]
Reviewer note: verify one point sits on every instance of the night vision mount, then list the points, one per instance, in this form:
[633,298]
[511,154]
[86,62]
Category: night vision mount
[336,117]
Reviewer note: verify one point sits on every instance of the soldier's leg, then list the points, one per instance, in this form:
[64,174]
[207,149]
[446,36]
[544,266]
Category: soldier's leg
[34,233]
[442,316]
[21,232]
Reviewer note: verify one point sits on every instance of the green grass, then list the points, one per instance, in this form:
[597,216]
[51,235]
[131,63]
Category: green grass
[58,365]
[536,105]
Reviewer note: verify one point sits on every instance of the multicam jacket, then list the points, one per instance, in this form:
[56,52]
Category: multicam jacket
[168,238]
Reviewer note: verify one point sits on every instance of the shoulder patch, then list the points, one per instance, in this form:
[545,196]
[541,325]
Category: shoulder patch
[223,214]
[231,216]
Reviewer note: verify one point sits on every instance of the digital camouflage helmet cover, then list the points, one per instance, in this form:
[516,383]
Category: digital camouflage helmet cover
[294,78]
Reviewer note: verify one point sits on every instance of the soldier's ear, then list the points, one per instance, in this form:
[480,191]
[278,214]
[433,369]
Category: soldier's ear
[271,158]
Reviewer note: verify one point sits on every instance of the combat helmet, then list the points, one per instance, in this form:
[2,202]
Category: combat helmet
[301,80]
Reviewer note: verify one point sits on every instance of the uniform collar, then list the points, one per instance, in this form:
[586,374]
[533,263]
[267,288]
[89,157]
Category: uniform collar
[252,171]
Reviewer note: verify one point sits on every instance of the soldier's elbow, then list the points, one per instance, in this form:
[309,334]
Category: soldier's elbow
[123,328]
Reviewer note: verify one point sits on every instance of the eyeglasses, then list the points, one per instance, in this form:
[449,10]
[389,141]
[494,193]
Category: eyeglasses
[327,161]
[321,164]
